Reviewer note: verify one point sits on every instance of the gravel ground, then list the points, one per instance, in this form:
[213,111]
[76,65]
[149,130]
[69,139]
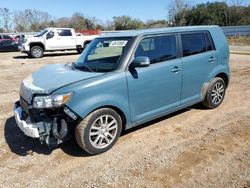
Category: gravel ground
[194,147]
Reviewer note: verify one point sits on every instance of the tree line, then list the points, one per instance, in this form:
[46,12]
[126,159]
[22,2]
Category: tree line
[215,13]
[180,13]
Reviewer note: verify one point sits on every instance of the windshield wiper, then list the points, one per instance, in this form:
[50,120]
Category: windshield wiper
[82,67]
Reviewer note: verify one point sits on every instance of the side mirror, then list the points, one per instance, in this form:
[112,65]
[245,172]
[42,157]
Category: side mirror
[140,61]
[50,35]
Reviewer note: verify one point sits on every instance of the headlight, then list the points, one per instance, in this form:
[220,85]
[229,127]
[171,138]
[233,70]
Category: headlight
[24,40]
[51,101]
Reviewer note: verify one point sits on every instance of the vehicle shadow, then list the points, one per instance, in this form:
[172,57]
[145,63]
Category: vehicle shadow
[47,55]
[198,106]
[23,145]
[142,126]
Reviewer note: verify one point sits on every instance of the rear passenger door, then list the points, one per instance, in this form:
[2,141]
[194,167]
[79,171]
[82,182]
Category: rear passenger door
[155,89]
[66,39]
[199,59]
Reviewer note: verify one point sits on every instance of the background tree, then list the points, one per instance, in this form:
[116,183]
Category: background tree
[127,23]
[6,16]
[215,13]
[177,12]
[180,13]
[156,23]
[31,20]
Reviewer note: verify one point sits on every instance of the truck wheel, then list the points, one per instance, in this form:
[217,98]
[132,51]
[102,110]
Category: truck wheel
[79,50]
[36,52]
[215,93]
[99,131]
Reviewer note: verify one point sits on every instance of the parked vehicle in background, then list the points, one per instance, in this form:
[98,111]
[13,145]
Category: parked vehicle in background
[19,39]
[8,46]
[124,80]
[54,39]
[5,37]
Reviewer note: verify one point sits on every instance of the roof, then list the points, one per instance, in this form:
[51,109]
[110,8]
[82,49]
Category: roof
[134,33]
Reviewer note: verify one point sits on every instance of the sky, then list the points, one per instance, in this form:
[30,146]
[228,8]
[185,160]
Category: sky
[103,10]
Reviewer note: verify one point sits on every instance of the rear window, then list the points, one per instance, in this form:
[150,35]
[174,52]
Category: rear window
[209,42]
[6,37]
[195,43]
[64,33]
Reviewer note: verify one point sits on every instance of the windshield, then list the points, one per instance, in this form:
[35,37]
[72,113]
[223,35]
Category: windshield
[102,55]
[41,33]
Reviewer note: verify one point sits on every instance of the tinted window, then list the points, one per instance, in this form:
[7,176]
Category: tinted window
[6,37]
[64,32]
[209,42]
[193,43]
[7,43]
[160,48]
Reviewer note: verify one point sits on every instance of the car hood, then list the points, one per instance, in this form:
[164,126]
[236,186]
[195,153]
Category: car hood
[34,39]
[52,77]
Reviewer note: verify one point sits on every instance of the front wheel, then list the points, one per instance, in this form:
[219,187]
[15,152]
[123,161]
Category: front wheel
[36,52]
[215,93]
[99,131]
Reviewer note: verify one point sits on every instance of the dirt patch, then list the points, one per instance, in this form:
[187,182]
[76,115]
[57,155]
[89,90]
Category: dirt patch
[194,147]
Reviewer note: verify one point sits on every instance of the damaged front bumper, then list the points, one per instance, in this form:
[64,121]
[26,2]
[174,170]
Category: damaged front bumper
[29,129]
[51,127]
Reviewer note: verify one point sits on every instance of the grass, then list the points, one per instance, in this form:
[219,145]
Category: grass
[239,41]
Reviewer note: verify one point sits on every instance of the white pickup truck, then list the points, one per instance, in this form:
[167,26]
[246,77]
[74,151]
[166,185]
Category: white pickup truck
[54,39]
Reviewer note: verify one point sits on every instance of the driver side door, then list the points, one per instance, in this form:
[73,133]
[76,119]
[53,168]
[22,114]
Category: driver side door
[51,40]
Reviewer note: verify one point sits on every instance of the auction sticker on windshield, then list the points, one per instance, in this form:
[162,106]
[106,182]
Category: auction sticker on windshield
[120,43]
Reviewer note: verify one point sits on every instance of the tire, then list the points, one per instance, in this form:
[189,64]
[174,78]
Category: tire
[215,93]
[99,128]
[28,54]
[36,52]
[79,50]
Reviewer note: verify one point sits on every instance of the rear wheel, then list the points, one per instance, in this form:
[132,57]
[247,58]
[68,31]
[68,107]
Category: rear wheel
[36,52]
[99,131]
[80,50]
[215,93]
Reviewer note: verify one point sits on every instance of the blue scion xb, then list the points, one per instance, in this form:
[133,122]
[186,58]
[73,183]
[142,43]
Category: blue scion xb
[123,80]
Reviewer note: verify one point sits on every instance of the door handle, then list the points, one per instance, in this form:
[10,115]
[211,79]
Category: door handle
[211,59]
[176,69]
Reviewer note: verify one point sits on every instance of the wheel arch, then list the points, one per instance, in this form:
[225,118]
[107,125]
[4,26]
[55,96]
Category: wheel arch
[119,111]
[223,76]
[222,72]
[37,44]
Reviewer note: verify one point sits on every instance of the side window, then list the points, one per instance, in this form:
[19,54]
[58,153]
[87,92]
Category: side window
[6,37]
[147,44]
[158,49]
[7,43]
[193,43]
[64,33]
[209,42]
